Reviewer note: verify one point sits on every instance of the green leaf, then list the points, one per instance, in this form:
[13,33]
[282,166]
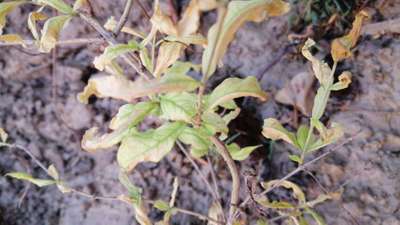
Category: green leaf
[196,39]
[214,123]
[6,8]
[51,32]
[112,52]
[240,154]
[320,102]
[232,88]
[274,204]
[132,114]
[145,59]
[301,135]
[178,106]
[229,21]
[295,158]
[162,205]
[28,177]
[59,5]
[231,115]
[274,130]
[151,145]
[135,193]
[198,139]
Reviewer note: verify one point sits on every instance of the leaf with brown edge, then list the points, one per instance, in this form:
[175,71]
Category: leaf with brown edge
[343,83]
[32,19]
[93,141]
[341,47]
[229,21]
[149,146]
[12,38]
[232,88]
[274,130]
[168,54]
[119,87]
[6,8]
[51,32]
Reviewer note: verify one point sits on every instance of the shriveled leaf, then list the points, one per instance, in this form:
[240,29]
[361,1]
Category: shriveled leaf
[3,135]
[119,87]
[195,39]
[132,114]
[341,47]
[135,193]
[151,145]
[178,106]
[32,19]
[168,54]
[321,69]
[51,32]
[6,8]
[232,88]
[298,93]
[112,23]
[190,20]
[162,22]
[161,205]
[274,130]
[297,192]
[229,21]
[198,139]
[28,177]
[112,52]
[240,154]
[12,38]
[343,83]
[59,5]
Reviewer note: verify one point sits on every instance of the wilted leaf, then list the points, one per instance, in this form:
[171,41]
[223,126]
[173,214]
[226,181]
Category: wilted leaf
[132,114]
[32,19]
[321,69]
[59,5]
[298,93]
[6,8]
[320,199]
[119,87]
[112,23]
[328,136]
[297,192]
[51,32]
[92,140]
[151,145]
[178,106]
[162,22]
[232,88]
[190,20]
[343,83]
[168,54]
[12,38]
[240,154]
[112,52]
[198,139]
[195,39]
[28,177]
[229,21]
[274,130]
[3,135]
[262,222]
[341,47]
[135,193]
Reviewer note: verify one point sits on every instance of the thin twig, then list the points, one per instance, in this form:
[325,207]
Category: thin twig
[143,9]
[124,17]
[95,197]
[223,151]
[198,215]
[75,41]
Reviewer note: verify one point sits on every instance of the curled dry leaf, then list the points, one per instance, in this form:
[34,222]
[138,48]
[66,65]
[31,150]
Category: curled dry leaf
[92,140]
[298,93]
[190,20]
[274,130]
[112,23]
[232,88]
[51,32]
[32,19]
[341,47]
[168,54]
[162,22]
[6,8]
[343,83]
[229,21]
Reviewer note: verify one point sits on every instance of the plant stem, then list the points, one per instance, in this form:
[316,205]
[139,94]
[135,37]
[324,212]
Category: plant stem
[223,151]
[124,17]
[198,215]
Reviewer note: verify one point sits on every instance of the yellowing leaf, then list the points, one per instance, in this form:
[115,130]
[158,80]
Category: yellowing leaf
[112,23]
[168,54]
[162,22]
[119,87]
[341,47]
[151,145]
[232,88]
[240,154]
[321,69]
[328,136]
[190,20]
[178,106]
[3,135]
[198,139]
[112,52]
[59,5]
[343,83]
[132,114]
[28,177]
[238,12]
[6,8]
[12,38]
[32,19]
[51,32]
[93,141]
[274,130]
